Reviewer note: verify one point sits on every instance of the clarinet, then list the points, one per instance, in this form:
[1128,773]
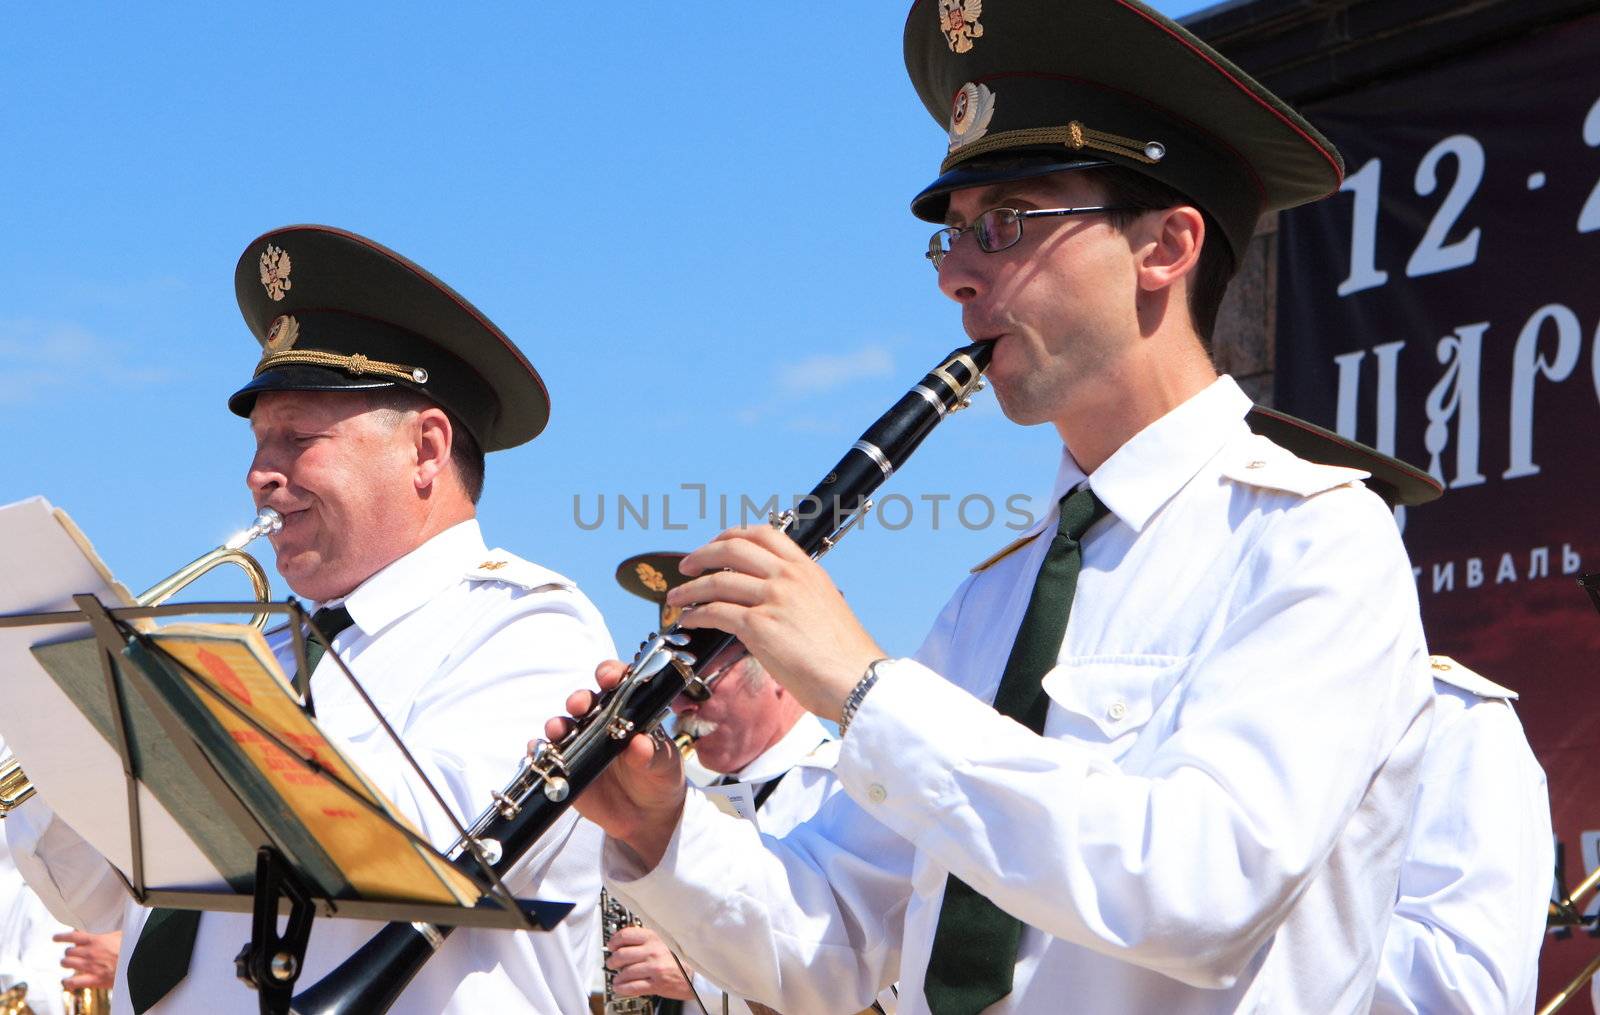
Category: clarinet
[669,663]
[613,917]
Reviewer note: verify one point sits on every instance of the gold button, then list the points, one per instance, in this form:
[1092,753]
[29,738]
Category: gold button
[876,793]
[1117,710]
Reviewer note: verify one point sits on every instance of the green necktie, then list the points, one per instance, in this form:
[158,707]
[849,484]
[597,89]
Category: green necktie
[975,946]
[331,621]
[160,958]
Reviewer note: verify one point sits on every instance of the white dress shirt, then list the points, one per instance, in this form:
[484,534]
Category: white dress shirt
[1475,885]
[1214,818]
[465,651]
[27,955]
[803,760]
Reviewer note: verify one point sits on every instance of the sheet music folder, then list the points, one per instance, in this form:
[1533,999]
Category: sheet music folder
[213,751]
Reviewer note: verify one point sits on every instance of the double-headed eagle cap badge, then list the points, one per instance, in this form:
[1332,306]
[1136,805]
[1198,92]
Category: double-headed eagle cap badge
[275,266]
[958,20]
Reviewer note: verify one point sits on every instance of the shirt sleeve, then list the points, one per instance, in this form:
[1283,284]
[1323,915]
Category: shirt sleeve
[808,922]
[1474,887]
[1186,863]
[74,882]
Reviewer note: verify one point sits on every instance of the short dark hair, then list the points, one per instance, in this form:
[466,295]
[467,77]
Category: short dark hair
[465,454]
[1209,283]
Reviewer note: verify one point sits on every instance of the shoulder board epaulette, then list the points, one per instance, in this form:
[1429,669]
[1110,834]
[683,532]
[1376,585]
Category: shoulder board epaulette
[1448,671]
[1256,461]
[1004,552]
[500,566]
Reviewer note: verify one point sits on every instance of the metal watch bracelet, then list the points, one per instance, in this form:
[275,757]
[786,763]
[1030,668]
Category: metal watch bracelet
[858,694]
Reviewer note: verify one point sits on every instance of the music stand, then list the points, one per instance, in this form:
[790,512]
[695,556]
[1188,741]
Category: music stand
[282,884]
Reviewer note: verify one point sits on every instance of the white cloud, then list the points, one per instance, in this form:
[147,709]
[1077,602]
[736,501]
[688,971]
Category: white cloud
[820,374]
[37,356]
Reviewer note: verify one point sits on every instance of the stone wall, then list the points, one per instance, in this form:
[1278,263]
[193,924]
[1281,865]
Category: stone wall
[1242,343]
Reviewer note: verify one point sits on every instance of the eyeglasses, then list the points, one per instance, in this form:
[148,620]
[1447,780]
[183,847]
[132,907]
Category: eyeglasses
[999,228]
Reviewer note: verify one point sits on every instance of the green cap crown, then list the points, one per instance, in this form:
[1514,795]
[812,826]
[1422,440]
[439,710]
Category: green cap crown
[1030,87]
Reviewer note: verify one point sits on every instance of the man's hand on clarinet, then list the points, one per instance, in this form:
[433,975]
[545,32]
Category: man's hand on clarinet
[639,798]
[645,966]
[758,586]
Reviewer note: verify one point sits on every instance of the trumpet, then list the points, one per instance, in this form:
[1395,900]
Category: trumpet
[267,522]
[15,788]
[1568,913]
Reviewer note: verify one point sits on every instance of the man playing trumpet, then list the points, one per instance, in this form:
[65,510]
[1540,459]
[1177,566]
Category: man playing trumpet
[376,395]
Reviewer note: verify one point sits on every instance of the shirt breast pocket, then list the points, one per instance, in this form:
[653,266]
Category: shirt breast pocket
[1106,702]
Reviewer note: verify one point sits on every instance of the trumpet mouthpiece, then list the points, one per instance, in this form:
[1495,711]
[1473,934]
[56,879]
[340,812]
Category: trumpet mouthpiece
[267,522]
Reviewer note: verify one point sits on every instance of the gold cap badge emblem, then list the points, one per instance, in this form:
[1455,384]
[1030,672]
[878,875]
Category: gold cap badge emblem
[275,271]
[958,20]
[282,335]
[653,579]
[970,114]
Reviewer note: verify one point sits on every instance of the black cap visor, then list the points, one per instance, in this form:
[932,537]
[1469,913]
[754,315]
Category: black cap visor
[1397,482]
[300,377]
[934,201]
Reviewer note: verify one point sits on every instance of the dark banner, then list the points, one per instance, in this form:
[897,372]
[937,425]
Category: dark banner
[1445,308]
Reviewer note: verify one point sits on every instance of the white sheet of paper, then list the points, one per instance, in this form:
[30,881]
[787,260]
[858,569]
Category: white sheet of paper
[737,799]
[76,770]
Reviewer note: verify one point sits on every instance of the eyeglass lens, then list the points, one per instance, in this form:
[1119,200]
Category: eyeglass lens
[997,229]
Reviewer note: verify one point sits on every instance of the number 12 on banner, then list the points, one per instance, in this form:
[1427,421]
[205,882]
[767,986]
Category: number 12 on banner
[1435,253]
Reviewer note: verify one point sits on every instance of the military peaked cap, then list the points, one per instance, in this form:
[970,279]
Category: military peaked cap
[1031,87]
[1398,483]
[334,311]
[651,576]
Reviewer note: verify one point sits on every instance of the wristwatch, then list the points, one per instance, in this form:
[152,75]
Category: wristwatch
[858,693]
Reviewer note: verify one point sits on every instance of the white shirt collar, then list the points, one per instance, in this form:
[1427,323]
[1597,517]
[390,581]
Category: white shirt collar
[414,579]
[1154,465]
[803,738]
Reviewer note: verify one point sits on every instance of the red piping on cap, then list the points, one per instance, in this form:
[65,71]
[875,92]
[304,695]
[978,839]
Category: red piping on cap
[1333,162]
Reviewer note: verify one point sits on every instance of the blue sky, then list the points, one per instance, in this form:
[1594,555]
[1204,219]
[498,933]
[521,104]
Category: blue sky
[694,226]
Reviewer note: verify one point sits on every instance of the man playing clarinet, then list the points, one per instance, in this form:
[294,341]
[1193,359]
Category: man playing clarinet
[1159,757]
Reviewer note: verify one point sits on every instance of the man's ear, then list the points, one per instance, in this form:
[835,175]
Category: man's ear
[434,439]
[1171,251]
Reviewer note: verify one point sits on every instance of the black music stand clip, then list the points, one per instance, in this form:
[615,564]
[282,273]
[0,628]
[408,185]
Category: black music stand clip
[270,962]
